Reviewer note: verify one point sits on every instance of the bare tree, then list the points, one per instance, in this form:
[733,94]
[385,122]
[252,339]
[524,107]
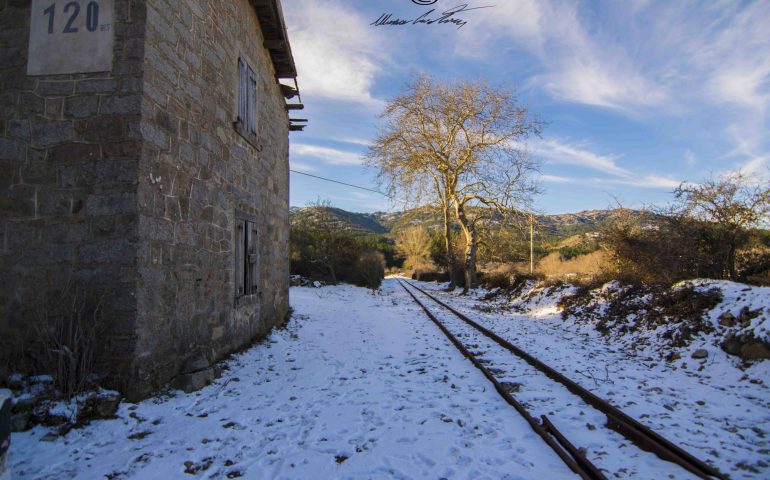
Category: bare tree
[413,244]
[457,145]
[733,202]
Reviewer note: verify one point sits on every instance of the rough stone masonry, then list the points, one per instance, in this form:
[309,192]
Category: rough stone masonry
[133,181]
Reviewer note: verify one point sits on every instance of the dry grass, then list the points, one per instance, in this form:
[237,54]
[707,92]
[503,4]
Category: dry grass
[589,265]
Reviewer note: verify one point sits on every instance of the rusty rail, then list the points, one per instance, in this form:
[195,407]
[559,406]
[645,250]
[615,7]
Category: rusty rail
[641,435]
[577,463]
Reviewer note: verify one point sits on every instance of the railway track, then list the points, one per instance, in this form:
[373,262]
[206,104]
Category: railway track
[504,364]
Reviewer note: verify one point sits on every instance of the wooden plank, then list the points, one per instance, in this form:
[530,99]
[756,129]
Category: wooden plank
[240,262]
[252,262]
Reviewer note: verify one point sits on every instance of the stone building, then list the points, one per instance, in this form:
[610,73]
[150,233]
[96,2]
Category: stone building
[144,155]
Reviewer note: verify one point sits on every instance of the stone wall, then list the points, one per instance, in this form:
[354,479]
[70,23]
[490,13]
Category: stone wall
[132,181]
[197,177]
[70,148]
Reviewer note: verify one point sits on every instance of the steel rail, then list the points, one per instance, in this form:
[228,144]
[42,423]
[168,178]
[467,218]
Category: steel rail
[641,435]
[577,463]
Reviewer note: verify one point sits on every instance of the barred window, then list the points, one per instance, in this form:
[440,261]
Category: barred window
[247,98]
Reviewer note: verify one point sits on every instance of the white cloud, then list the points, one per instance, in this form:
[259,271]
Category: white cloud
[353,141]
[522,20]
[757,167]
[649,181]
[577,65]
[685,59]
[635,55]
[719,51]
[752,159]
[557,152]
[360,202]
[743,85]
[336,53]
[331,156]
[735,59]
[689,158]
[593,82]
[557,179]
[302,167]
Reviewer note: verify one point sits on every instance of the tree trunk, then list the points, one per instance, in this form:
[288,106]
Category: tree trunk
[731,261]
[450,261]
[471,245]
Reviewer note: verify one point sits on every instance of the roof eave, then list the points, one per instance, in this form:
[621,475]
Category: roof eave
[276,39]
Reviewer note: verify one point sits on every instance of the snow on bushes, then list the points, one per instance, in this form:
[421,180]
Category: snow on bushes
[733,316]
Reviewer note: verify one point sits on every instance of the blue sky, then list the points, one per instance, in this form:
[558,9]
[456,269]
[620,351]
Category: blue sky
[638,95]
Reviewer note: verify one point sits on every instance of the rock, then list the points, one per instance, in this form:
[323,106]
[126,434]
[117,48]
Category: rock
[24,403]
[15,382]
[86,409]
[747,315]
[511,387]
[107,404]
[732,345]
[727,319]
[189,382]
[64,429]
[195,364]
[755,351]
[49,437]
[48,419]
[20,421]
[747,347]
[700,353]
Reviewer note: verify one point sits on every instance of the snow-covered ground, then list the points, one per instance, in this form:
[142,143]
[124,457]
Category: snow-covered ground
[357,386]
[365,386]
[717,408]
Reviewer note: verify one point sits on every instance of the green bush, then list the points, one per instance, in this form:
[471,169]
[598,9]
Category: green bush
[333,256]
[568,253]
[370,270]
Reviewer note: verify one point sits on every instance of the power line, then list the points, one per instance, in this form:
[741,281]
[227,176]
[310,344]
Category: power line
[337,181]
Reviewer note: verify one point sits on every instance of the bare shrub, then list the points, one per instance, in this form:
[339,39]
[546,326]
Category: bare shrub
[370,270]
[62,338]
[753,265]
[509,279]
[501,280]
[733,204]
[662,249]
[413,244]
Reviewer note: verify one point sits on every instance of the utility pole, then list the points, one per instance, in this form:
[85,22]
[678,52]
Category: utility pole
[531,245]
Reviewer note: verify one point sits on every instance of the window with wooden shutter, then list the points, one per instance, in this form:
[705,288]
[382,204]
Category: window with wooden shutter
[247,98]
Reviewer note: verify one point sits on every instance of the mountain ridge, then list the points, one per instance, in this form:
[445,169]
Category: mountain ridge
[390,222]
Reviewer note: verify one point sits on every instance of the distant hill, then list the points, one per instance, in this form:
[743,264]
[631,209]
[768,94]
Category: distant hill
[358,223]
[559,225]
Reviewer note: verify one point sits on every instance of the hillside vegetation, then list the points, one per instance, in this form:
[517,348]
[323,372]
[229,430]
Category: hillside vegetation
[620,243]
[550,226]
